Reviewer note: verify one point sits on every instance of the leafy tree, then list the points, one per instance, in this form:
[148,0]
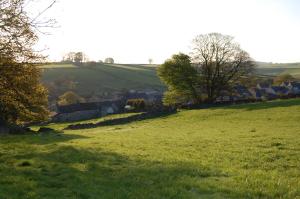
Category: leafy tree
[175,97]
[109,60]
[70,98]
[69,57]
[23,99]
[181,78]
[75,57]
[59,86]
[78,57]
[283,78]
[220,62]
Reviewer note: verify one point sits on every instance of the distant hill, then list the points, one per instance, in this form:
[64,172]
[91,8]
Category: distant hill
[274,69]
[101,78]
[278,65]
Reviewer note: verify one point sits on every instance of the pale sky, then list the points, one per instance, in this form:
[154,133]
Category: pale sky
[132,31]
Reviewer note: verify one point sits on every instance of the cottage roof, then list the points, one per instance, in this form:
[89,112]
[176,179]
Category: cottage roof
[280,89]
[295,84]
[285,84]
[242,90]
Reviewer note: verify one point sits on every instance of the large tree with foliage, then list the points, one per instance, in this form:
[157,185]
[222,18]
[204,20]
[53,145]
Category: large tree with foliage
[220,61]
[283,78]
[22,99]
[109,60]
[181,78]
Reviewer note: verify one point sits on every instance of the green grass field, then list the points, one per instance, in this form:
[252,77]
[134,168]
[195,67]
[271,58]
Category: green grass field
[242,151]
[101,78]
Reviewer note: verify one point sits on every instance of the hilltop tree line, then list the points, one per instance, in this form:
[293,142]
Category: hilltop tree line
[80,57]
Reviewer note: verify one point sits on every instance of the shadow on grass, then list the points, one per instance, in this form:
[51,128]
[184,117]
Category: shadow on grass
[119,121]
[68,172]
[38,138]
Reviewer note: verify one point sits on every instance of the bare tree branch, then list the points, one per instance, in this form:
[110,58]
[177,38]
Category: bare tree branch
[220,62]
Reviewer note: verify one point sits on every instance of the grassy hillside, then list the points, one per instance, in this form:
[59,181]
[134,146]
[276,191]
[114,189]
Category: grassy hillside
[278,71]
[103,77]
[100,78]
[278,65]
[244,151]
[274,69]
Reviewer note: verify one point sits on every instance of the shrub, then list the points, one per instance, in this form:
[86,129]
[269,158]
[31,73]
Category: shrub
[70,98]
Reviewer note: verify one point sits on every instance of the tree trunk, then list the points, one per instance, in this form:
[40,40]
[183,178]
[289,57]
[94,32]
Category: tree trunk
[210,95]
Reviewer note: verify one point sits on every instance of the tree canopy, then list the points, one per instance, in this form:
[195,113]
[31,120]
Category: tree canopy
[23,99]
[181,78]
[283,78]
[109,60]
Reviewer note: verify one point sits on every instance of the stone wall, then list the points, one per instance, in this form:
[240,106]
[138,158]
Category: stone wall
[76,116]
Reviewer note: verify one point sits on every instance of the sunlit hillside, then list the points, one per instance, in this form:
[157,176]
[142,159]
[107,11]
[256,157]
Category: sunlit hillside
[100,78]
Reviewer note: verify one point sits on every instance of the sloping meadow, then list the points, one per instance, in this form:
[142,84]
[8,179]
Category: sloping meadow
[244,151]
